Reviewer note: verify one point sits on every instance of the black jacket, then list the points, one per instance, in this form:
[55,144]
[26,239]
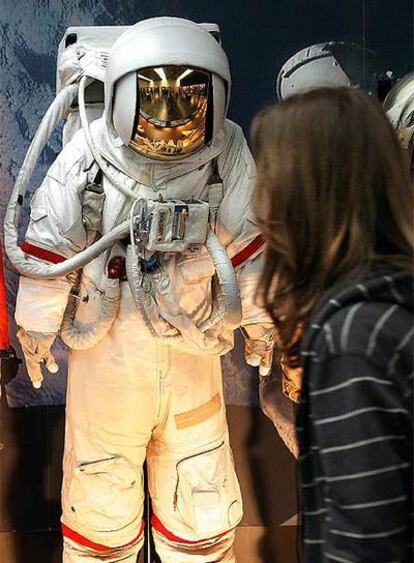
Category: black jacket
[355,423]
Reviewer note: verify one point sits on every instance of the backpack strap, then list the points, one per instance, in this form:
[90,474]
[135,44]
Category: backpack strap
[215,192]
[93,199]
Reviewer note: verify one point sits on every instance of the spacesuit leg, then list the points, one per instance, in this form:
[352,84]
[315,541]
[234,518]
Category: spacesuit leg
[193,485]
[102,500]
[111,409]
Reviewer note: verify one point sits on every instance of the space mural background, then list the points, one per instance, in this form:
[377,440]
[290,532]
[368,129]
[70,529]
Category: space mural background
[257,40]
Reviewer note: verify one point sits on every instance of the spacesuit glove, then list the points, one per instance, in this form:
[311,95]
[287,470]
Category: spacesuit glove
[36,349]
[259,346]
[292,379]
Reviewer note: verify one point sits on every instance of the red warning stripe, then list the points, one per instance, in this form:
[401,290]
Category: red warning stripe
[248,252]
[157,525]
[82,540]
[42,253]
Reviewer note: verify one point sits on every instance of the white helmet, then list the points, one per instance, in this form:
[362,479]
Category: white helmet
[329,64]
[167,88]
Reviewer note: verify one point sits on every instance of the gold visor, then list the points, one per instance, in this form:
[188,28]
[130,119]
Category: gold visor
[171,118]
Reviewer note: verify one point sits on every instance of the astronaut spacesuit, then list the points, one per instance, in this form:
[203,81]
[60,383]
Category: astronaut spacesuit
[148,386]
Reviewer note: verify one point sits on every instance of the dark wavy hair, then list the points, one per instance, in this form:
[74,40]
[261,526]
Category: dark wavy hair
[333,195]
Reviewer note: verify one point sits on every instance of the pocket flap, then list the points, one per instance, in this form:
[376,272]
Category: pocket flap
[38,212]
[104,497]
[75,231]
[114,467]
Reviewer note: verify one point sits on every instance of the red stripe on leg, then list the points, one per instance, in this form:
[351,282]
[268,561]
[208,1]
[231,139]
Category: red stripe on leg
[158,525]
[82,540]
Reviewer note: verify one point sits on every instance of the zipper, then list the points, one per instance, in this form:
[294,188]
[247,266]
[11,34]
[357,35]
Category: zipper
[86,464]
[186,459]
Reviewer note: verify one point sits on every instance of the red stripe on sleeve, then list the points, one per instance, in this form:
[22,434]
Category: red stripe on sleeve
[42,253]
[248,252]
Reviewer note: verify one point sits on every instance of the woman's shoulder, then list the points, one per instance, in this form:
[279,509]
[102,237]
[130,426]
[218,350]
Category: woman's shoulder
[373,318]
[368,327]
[379,336]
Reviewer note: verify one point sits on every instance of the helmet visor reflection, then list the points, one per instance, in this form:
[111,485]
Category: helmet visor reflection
[171,118]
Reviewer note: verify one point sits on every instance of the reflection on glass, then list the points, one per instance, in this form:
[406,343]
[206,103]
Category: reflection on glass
[171,121]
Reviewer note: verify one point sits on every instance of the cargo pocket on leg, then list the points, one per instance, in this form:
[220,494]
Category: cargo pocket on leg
[207,495]
[104,501]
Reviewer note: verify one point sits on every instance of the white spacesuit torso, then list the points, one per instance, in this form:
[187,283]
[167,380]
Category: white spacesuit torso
[65,234]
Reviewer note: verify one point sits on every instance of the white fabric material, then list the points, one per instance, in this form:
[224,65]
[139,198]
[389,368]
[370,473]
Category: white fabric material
[11,220]
[72,553]
[88,54]
[220,549]
[63,234]
[124,397]
[41,303]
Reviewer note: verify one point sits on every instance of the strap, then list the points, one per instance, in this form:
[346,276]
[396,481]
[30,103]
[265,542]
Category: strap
[215,192]
[94,178]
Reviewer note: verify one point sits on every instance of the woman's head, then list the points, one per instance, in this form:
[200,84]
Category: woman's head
[333,194]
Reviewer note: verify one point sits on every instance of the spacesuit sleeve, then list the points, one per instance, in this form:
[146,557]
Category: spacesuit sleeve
[248,282]
[238,230]
[55,233]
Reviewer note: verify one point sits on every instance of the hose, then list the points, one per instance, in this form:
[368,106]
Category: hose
[229,287]
[54,114]
[134,277]
[228,311]
[88,336]
[28,266]
[36,269]
[103,165]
